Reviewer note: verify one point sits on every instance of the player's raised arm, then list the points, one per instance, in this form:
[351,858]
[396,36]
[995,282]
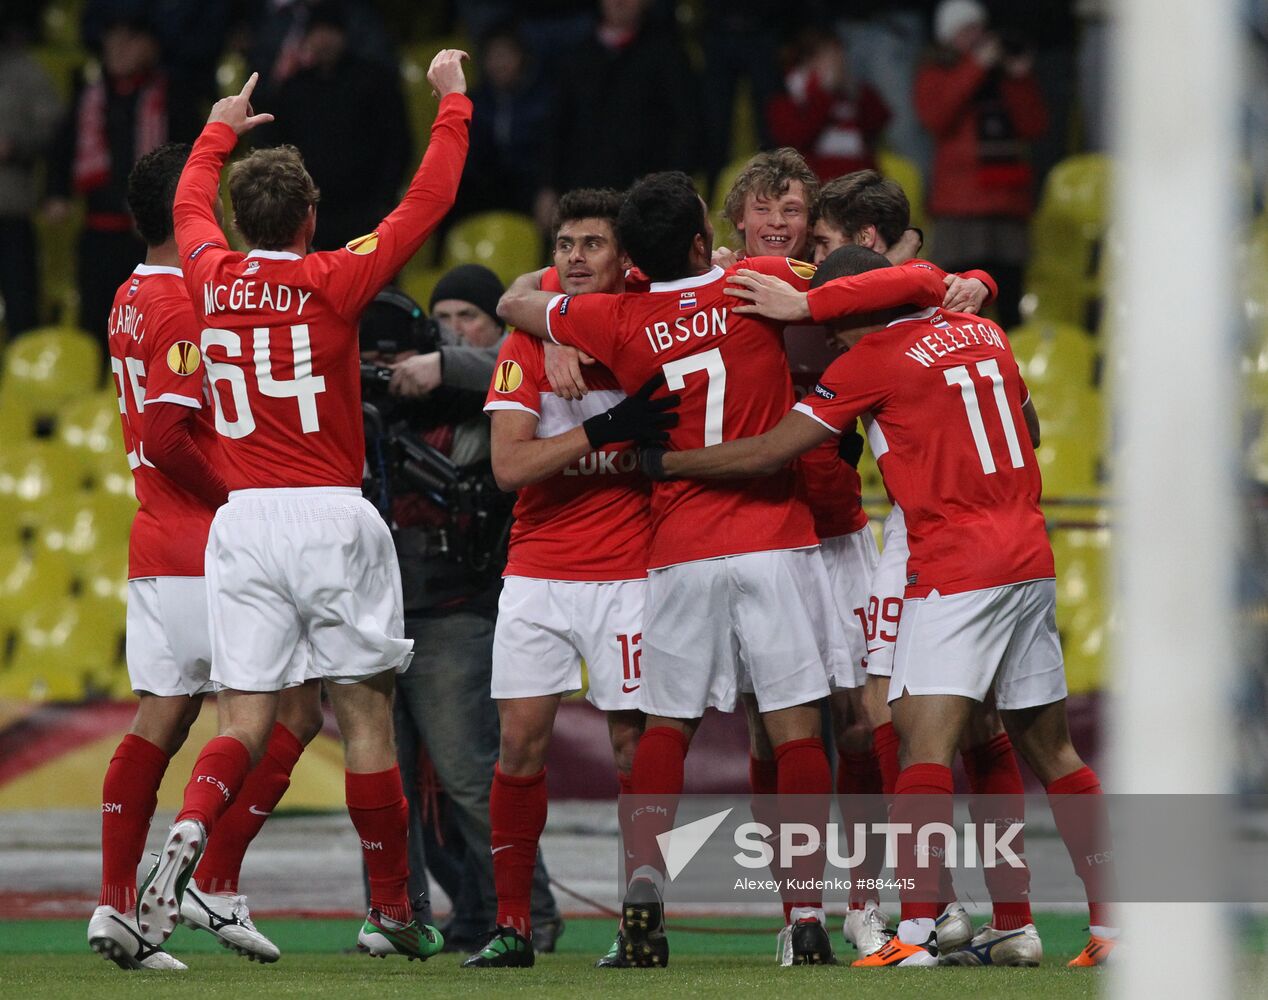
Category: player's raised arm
[918,284]
[763,455]
[367,263]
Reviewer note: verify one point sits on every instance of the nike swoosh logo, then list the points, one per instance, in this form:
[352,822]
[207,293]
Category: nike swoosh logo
[502,848]
[630,690]
[257,812]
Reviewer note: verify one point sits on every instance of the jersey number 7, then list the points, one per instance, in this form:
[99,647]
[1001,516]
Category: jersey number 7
[709,362]
[303,388]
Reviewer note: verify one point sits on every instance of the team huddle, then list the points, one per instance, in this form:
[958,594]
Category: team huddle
[685,527]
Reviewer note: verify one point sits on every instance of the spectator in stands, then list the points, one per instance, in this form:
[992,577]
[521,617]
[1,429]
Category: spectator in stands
[978,96]
[510,110]
[347,115]
[630,85]
[115,119]
[191,33]
[276,46]
[825,113]
[29,112]
[740,39]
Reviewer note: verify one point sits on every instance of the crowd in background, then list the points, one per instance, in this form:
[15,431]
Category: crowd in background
[569,93]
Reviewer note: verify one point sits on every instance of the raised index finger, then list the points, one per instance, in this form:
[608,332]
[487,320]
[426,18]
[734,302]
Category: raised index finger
[249,87]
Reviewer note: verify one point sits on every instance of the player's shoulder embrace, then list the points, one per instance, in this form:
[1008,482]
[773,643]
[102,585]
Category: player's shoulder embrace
[779,267]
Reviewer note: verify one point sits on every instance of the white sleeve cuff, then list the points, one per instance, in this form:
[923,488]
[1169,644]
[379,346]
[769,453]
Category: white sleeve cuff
[178,399]
[549,311]
[808,411]
[509,404]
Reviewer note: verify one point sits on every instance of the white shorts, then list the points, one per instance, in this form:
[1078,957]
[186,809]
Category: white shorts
[965,643]
[168,644]
[545,628]
[289,568]
[885,604]
[850,561]
[769,615]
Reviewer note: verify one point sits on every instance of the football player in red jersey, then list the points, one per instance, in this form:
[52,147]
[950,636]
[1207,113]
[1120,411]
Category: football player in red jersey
[575,573]
[297,555]
[771,205]
[736,583]
[171,449]
[868,210]
[980,604]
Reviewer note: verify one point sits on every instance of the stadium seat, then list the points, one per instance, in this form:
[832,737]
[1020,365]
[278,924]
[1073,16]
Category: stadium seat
[1049,352]
[1082,557]
[417,282]
[29,580]
[30,476]
[59,288]
[58,654]
[505,242]
[905,171]
[48,368]
[89,431]
[17,424]
[1072,457]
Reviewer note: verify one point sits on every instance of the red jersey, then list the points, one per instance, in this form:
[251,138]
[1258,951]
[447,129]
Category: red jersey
[155,359]
[732,374]
[592,521]
[279,331]
[945,391]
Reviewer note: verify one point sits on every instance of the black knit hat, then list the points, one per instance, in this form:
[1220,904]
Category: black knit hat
[470,283]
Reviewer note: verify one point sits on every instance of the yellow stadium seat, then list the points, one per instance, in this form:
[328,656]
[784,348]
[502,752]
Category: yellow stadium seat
[61,62]
[1049,352]
[17,424]
[31,474]
[59,655]
[81,525]
[507,243]
[1072,463]
[59,288]
[905,171]
[50,367]
[1078,188]
[28,581]
[1083,607]
[89,431]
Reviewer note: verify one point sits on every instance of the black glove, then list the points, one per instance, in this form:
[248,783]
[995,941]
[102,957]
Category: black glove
[635,418]
[850,447]
[651,460]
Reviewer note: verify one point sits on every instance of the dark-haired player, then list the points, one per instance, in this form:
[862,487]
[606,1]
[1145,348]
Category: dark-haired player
[576,569]
[170,442]
[866,209]
[736,583]
[297,555]
[980,599]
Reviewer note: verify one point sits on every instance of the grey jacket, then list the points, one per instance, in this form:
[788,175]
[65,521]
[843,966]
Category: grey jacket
[29,113]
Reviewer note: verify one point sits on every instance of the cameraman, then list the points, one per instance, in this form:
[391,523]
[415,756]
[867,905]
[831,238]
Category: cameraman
[450,523]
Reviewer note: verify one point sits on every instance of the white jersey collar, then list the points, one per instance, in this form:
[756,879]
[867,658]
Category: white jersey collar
[144,269]
[700,280]
[275,255]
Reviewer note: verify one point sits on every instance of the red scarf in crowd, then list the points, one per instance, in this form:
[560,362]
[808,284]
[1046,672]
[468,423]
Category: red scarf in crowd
[92,146]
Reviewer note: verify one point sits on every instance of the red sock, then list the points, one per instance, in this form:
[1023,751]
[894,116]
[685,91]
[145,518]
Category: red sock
[805,787]
[763,780]
[217,776]
[659,764]
[129,794]
[380,814]
[922,795]
[260,793]
[1079,812]
[859,774]
[517,813]
[885,746]
[992,771]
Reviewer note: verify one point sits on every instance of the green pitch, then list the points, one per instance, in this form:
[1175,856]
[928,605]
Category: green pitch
[51,959]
